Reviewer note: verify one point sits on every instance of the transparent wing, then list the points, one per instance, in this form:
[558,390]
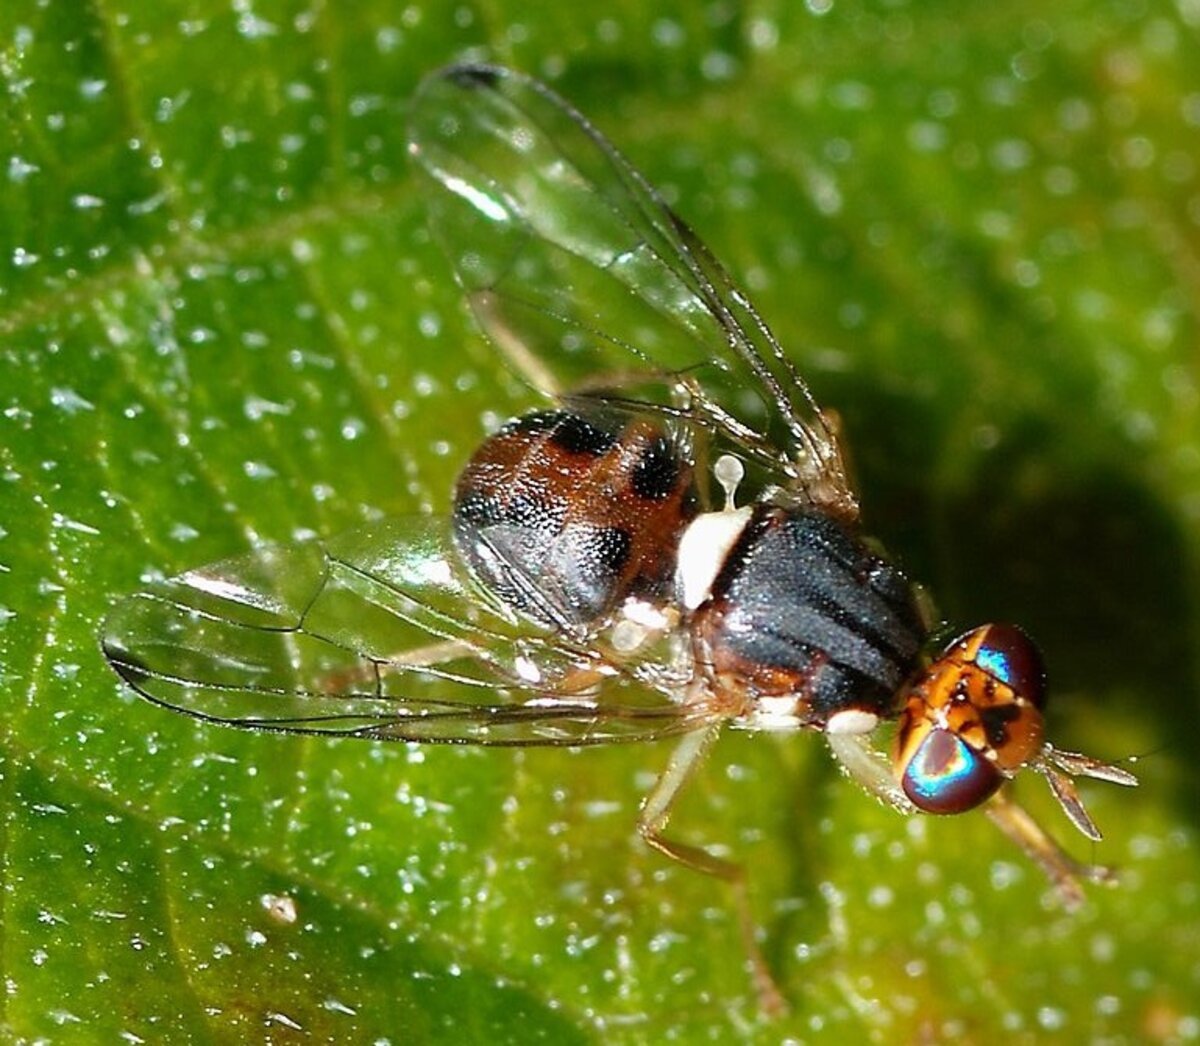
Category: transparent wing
[376,634]
[578,269]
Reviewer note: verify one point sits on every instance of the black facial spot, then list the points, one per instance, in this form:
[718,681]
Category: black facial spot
[657,471]
[995,723]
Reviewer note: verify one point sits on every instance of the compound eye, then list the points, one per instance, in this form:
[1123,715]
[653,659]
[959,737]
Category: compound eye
[1009,655]
[945,775]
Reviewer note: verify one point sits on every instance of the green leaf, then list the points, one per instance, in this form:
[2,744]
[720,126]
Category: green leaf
[222,322]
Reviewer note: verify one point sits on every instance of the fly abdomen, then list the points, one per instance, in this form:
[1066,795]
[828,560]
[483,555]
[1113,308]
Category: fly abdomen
[563,515]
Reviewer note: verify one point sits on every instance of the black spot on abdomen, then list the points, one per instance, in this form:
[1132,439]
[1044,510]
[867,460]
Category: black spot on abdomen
[569,432]
[657,470]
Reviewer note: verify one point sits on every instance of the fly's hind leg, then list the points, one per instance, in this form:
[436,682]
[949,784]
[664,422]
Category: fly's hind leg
[656,813]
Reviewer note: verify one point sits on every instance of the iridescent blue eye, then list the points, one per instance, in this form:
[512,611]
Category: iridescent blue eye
[1009,655]
[947,776]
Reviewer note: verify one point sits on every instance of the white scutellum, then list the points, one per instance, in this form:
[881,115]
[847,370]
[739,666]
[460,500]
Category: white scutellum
[706,542]
[852,721]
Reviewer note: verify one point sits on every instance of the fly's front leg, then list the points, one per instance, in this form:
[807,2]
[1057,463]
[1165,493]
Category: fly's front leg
[656,813]
[1064,872]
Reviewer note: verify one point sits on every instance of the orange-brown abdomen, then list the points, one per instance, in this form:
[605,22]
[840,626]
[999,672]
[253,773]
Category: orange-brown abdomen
[565,515]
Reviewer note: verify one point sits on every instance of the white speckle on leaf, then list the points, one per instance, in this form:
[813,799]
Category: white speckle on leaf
[851,95]
[1051,1018]
[255,408]
[667,33]
[926,136]
[764,34]
[302,250]
[19,169]
[279,907]
[429,324]
[718,65]
[285,1020]
[182,532]
[387,39]
[1011,154]
[69,401]
[250,25]
[61,522]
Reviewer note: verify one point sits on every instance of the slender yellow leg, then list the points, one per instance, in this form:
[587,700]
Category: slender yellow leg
[656,813]
[1063,871]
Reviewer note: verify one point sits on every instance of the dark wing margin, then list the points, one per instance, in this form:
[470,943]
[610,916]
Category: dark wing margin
[379,635]
[577,268]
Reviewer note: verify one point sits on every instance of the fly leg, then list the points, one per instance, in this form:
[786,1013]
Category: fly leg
[1064,872]
[656,812]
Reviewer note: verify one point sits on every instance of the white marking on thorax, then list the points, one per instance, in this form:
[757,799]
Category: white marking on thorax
[703,549]
[777,713]
[852,721]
